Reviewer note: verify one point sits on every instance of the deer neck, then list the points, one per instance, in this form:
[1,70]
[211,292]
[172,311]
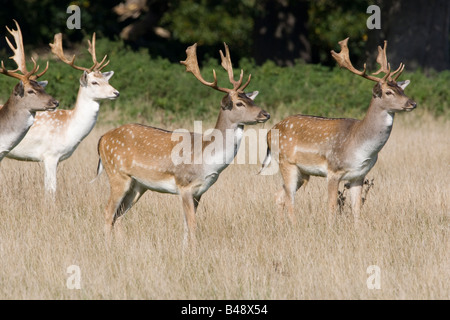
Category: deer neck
[85,113]
[15,123]
[229,129]
[227,139]
[374,130]
[13,118]
[224,123]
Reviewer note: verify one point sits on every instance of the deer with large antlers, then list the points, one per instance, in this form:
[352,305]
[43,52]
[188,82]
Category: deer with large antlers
[137,158]
[338,149]
[55,136]
[27,98]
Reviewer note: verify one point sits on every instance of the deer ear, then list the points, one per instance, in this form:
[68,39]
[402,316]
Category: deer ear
[252,95]
[227,103]
[43,84]
[108,75]
[403,84]
[19,89]
[83,79]
[376,91]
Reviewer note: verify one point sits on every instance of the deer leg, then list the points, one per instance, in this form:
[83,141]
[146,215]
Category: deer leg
[131,197]
[333,186]
[189,207]
[50,166]
[292,182]
[196,203]
[355,195]
[119,188]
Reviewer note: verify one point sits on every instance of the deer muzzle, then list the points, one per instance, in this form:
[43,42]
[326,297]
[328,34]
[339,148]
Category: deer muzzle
[263,116]
[116,94]
[52,104]
[410,105]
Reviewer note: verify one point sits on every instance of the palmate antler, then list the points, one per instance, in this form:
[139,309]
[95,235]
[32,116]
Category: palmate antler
[343,59]
[191,64]
[226,64]
[58,51]
[19,59]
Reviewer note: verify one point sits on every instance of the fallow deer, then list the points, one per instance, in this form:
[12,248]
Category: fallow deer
[28,97]
[137,158]
[338,149]
[55,136]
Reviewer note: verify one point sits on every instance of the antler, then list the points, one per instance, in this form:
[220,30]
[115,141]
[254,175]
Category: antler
[19,58]
[343,59]
[226,64]
[382,60]
[191,64]
[97,66]
[19,54]
[385,66]
[59,52]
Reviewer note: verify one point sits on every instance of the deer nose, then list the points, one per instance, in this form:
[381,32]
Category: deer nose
[116,93]
[264,114]
[52,104]
[412,103]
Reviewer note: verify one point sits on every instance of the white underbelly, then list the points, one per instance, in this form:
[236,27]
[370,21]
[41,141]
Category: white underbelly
[163,186]
[320,171]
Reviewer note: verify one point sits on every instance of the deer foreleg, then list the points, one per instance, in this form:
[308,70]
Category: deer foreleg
[355,195]
[50,165]
[189,207]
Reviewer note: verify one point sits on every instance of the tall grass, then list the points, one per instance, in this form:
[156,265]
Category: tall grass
[243,253]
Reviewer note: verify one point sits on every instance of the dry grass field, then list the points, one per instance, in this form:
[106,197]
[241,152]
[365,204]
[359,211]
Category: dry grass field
[243,252]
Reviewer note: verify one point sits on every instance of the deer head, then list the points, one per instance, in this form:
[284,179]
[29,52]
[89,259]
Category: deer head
[237,105]
[93,82]
[28,93]
[387,93]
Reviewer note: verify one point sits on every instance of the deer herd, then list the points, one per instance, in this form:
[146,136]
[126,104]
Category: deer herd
[137,158]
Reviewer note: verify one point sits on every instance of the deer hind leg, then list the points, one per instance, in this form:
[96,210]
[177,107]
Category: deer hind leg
[333,186]
[132,196]
[120,187]
[292,181]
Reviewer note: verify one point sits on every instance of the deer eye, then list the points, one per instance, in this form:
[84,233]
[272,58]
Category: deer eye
[31,92]
[95,83]
[389,92]
[239,104]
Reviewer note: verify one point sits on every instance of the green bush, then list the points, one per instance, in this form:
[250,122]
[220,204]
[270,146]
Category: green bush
[153,90]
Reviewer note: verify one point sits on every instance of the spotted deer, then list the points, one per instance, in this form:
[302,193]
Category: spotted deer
[338,149]
[28,97]
[137,158]
[54,136]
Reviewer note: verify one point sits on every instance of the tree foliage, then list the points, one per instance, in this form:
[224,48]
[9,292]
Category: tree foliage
[279,30]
